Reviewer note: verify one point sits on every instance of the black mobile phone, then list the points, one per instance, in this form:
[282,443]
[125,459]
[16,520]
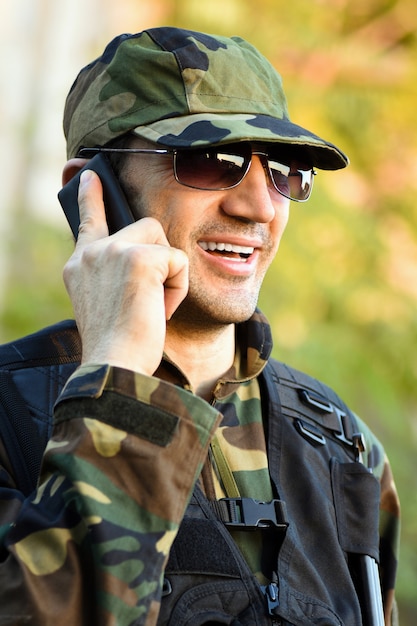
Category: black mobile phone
[118,213]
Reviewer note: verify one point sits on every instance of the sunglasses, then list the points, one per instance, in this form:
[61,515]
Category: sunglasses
[224,167]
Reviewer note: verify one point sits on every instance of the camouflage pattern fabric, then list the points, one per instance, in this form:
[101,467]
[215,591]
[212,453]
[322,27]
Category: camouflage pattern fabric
[184,89]
[90,545]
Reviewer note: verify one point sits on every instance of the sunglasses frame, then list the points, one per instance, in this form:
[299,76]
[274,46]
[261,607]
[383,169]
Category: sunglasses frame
[89,152]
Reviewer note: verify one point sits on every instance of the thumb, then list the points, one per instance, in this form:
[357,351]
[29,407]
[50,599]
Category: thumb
[93,223]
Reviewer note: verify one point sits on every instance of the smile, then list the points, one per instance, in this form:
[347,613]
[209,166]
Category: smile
[227,249]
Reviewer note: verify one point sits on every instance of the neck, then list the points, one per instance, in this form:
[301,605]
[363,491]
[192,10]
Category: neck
[202,355]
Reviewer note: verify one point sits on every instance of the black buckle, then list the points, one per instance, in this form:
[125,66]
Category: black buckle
[321,404]
[309,432]
[250,514]
[343,434]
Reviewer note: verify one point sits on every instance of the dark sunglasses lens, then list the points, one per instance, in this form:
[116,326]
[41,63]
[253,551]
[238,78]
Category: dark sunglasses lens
[291,181]
[212,169]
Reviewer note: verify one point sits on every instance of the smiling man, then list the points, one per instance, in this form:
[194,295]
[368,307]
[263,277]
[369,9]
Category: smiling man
[188,478]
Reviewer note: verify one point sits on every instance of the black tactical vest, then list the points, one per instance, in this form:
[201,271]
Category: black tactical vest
[331,499]
[332,508]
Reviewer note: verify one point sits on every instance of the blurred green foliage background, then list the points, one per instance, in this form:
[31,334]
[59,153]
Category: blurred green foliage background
[342,292]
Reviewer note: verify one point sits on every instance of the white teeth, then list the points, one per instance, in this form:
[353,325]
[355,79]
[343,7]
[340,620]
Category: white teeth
[225,247]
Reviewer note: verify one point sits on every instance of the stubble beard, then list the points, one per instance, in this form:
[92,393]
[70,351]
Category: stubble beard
[200,311]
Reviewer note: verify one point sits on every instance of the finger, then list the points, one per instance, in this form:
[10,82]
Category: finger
[176,283]
[146,230]
[93,223]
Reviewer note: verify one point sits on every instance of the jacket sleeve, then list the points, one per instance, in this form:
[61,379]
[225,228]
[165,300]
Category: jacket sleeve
[90,545]
[389,530]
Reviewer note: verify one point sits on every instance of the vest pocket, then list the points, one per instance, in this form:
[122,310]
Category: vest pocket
[356,494]
[209,603]
[207,581]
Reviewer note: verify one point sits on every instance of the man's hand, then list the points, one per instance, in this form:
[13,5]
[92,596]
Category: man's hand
[124,287]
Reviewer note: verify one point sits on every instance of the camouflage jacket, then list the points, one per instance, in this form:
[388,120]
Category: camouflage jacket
[91,544]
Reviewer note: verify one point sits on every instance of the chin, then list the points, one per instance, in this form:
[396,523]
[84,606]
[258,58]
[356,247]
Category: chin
[219,313]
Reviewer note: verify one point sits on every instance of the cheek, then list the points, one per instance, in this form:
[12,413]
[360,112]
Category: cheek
[148,187]
[152,200]
[177,229]
[282,212]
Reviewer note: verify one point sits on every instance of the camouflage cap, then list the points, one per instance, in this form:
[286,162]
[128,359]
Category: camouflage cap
[184,89]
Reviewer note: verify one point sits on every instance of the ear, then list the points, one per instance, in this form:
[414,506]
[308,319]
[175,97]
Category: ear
[71,168]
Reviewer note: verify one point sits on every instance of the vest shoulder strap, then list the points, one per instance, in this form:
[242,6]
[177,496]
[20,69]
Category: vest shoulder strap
[317,411]
[33,370]
[55,344]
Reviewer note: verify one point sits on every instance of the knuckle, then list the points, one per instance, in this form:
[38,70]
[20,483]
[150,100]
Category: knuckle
[91,222]
[69,271]
[139,256]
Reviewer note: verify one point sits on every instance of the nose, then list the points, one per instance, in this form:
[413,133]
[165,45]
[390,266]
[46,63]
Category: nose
[255,198]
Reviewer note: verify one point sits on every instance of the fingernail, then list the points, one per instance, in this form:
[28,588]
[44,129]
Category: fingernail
[85,177]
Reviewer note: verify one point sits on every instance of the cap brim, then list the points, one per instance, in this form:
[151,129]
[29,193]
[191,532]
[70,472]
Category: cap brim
[205,129]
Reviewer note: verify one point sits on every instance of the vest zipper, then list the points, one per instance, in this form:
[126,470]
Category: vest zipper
[271,593]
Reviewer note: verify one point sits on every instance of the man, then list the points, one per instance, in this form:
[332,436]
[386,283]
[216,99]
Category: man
[188,478]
